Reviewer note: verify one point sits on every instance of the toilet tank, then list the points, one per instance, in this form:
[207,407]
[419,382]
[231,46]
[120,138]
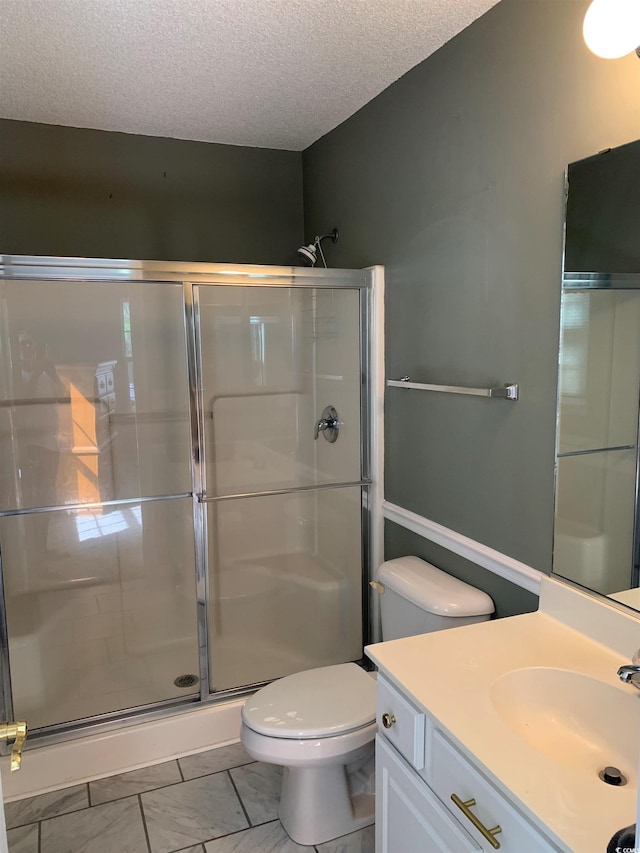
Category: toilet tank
[417,598]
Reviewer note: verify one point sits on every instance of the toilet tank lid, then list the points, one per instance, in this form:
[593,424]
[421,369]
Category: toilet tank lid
[432,589]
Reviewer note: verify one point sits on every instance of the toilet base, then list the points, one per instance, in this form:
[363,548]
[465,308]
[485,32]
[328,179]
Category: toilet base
[316,805]
[327,783]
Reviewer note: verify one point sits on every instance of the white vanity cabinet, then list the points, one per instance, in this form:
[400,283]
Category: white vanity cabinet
[409,816]
[430,798]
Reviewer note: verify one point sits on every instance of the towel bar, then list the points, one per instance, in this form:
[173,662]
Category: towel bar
[510,391]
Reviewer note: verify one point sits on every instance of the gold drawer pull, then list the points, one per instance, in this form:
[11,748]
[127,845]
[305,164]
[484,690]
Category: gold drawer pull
[388,720]
[16,732]
[465,808]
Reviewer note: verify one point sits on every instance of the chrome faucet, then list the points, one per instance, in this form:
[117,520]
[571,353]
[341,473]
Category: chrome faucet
[630,675]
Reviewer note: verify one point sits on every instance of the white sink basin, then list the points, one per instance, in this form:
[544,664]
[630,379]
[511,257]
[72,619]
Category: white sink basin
[579,722]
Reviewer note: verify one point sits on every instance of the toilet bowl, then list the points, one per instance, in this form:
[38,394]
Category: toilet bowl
[319,725]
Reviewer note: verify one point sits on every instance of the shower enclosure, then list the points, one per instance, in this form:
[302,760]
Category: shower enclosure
[184,470]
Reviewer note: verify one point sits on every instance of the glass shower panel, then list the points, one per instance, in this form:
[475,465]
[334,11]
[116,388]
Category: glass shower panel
[285,584]
[93,392]
[271,360]
[103,618]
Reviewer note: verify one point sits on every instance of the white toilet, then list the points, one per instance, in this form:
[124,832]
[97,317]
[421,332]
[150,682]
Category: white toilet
[320,724]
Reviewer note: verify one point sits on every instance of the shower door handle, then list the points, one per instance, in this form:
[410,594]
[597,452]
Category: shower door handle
[17,732]
[328,425]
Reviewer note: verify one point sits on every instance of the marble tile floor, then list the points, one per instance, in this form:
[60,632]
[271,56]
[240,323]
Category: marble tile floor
[218,801]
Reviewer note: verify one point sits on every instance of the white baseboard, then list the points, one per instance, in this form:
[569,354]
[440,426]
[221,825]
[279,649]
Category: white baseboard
[494,561]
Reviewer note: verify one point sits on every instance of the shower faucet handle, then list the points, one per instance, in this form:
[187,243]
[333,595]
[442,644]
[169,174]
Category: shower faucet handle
[328,425]
[17,732]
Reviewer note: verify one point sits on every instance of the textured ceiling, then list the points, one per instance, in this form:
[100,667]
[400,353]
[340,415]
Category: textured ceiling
[266,73]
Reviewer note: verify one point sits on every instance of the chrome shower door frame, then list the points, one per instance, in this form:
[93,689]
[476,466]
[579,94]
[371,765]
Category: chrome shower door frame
[22,267]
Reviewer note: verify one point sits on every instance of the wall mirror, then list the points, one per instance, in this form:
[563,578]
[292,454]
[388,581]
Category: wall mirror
[596,529]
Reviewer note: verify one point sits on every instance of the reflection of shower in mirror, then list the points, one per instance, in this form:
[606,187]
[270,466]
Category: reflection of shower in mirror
[596,529]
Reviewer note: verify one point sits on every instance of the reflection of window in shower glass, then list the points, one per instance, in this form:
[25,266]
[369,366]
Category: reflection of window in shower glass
[85,444]
[93,525]
[127,347]
[574,346]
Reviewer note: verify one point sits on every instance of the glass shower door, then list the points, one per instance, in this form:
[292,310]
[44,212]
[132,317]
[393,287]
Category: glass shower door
[96,516]
[281,383]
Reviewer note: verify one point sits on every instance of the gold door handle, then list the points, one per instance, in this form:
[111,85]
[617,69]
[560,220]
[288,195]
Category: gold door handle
[388,720]
[465,808]
[17,732]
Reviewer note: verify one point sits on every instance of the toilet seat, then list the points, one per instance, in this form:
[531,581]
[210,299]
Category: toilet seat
[309,752]
[317,703]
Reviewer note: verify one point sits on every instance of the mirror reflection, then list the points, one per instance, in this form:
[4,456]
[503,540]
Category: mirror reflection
[596,507]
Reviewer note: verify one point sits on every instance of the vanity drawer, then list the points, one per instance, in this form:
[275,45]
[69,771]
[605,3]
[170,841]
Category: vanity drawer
[401,723]
[451,774]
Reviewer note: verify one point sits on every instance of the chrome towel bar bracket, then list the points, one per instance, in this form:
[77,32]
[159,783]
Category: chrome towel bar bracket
[509,391]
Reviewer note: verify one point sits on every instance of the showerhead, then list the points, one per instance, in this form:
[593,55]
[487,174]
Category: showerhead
[309,254]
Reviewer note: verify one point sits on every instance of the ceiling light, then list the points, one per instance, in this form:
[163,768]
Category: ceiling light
[612,27]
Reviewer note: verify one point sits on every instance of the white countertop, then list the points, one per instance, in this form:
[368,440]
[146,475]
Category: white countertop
[449,673]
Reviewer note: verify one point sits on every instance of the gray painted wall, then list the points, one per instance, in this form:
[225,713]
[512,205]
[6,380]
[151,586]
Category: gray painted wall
[453,179]
[69,191]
